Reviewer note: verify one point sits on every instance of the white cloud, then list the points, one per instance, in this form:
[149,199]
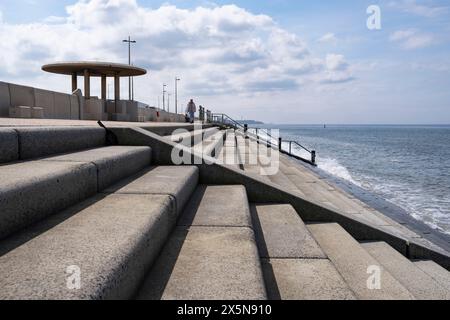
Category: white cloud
[411,6]
[216,50]
[412,39]
[328,38]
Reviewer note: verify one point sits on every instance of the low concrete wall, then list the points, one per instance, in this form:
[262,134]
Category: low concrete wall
[157,115]
[21,96]
[62,106]
[56,105]
[45,99]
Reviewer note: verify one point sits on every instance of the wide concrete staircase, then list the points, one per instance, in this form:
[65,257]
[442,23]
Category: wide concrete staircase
[72,206]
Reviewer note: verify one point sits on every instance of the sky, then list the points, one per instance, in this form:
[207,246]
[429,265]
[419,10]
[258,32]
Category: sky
[278,61]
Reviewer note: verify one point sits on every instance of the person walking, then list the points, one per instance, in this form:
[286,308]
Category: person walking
[191,110]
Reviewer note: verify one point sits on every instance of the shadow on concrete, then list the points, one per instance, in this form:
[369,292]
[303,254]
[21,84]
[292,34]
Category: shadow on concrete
[273,292]
[190,211]
[159,274]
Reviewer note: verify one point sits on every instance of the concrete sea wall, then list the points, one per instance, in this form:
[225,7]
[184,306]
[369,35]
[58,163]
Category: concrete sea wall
[40,103]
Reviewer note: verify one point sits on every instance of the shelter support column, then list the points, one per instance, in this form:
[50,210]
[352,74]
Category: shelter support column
[103,87]
[74,82]
[87,84]
[117,88]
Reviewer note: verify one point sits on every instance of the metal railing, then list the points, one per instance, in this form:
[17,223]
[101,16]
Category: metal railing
[269,140]
[226,120]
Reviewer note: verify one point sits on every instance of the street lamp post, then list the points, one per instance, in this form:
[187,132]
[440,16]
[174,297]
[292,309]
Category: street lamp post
[176,94]
[129,41]
[164,96]
[168,102]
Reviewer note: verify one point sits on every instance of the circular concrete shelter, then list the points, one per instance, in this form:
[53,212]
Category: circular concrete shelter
[95,69]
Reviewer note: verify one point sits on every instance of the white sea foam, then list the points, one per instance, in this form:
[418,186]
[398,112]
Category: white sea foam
[415,201]
[333,167]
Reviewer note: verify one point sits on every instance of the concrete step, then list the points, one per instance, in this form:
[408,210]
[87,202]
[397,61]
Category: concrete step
[36,142]
[438,273]
[304,279]
[33,190]
[113,238]
[281,233]
[212,145]
[179,182]
[229,155]
[294,266]
[212,254]
[355,264]
[282,180]
[113,163]
[191,138]
[419,283]
[9,145]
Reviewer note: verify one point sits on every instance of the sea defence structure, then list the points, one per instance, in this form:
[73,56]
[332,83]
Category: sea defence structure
[18,101]
[88,212]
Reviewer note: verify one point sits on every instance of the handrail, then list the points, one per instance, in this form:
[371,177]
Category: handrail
[221,117]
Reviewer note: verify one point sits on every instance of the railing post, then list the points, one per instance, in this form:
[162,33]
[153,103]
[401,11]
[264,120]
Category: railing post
[280,141]
[245,131]
[290,147]
[202,114]
[257,136]
[313,157]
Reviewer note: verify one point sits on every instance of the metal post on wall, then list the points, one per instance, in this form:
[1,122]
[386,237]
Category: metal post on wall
[280,140]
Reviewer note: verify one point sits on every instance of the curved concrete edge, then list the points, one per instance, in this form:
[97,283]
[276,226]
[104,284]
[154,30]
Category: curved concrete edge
[44,141]
[260,191]
[176,182]
[9,145]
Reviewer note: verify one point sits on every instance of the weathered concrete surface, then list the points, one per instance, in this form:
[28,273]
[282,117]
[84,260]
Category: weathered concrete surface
[39,142]
[353,263]
[212,145]
[20,112]
[112,240]
[282,180]
[439,274]
[280,233]
[177,181]
[304,279]
[113,163]
[220,206]
[45,99]
[260,191]
[191,138]
[9,145]
[21,95]
[33,190]
[201,263]
[420,284]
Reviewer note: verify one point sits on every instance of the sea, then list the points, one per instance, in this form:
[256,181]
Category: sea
[407,165]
